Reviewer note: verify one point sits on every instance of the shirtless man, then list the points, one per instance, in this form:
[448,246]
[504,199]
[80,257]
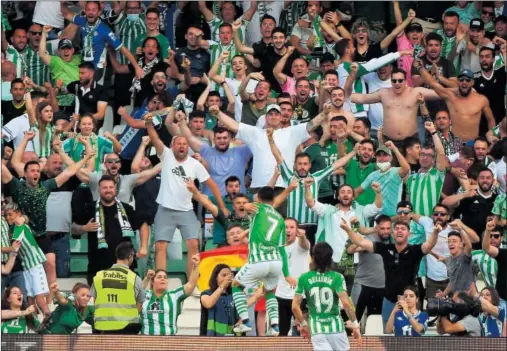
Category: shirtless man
[465,105]
[400,106]
[337,102]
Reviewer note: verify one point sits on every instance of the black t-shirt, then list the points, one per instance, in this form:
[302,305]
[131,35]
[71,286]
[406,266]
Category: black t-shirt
[146,87]
[473,212]
[200,60]
[88,102]
[145,196]
[9,111]
[501,278]
[374,51]
[494,89]
[99,259]
[400,267]
[268,57]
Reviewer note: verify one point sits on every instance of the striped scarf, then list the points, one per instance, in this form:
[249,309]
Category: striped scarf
[136,83]
[94,144]
[126,228]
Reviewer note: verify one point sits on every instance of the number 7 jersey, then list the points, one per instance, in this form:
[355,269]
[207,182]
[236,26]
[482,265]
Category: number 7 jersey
[321,291]
[267,235]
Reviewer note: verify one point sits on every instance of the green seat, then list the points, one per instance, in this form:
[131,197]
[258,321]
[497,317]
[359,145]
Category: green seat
[79,245]
[78,263]
[177,269]
[210,245]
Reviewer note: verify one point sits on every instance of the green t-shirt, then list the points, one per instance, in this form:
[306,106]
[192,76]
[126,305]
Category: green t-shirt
[321,292]
[66,319]
[391,186]
[162,40]
[267,234]
[17,325]
[67,72]
[30,253]
[322,157]
[356,175]
[305,112]
[76,150]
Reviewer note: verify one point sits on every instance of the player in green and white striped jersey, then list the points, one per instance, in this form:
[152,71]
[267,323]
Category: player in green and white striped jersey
[129,29]
[324,289]
[487,264]
[297,207]
[15,51]
[160,310]
[267,258]
[424,187]
[35,68]
[227,15]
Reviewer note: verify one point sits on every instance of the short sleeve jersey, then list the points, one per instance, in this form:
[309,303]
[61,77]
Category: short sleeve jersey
[160,314]
[267,235]
[30,253]
[321,291]
[76,150]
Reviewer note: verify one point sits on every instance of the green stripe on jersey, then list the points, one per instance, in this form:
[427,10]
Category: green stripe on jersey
[160,315]
[296,204]
[16,57]
[424,190]
[267,235]
[35,68]
[321,291]
[129,32]
[30,253]
[487,265]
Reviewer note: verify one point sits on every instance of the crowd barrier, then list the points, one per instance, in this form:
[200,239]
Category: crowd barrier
[78,342]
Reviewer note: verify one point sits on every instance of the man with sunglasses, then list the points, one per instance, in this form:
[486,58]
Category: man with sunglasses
[465,105]
[35,67]
[488,16]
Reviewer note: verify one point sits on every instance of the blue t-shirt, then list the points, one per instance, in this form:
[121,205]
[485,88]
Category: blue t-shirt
[492,326]
[402,326]
[94,39]
[131,138]
[225,164]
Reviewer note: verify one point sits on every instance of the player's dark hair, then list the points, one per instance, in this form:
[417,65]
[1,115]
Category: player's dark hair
[382,218]
[232,179]
[365,121]
[124,250]
[87,65]
[322,256]
[266,194]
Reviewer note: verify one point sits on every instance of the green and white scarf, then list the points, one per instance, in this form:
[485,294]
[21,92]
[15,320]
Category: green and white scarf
[94,144]
[136,83]
[126,228]
[44,147]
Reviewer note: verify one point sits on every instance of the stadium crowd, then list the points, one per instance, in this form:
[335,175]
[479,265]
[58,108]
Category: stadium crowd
[356,148]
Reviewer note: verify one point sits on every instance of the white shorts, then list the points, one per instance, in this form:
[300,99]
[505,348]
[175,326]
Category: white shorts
[36,281]
[252,274]
[330,342]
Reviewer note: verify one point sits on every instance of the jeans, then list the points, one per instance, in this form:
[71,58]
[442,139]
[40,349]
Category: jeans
[61,246]
[14,279]
[387,308]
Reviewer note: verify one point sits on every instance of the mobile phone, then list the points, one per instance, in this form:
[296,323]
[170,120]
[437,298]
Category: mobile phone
[401,298]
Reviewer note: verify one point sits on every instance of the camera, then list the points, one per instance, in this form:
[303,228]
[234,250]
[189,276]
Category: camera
[446,306]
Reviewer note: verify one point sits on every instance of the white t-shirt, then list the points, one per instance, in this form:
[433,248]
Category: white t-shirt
[15,131]
[436,270]
[234,86]
[253,28]
[501,169]
[299,263]
[376,112]
[287,140]
[48,12]
[173,193]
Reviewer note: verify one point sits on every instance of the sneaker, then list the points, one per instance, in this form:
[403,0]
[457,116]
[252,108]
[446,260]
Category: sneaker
[273,331]
[243,327]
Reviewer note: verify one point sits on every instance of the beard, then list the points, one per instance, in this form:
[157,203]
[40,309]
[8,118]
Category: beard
[465,93]
[485,187]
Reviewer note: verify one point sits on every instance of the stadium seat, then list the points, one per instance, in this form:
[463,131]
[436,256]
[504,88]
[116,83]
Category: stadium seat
[374,325]
[129,109]
[108,120]
[79,246]
[210,245]
[189,321]
[117,130]
[79,263]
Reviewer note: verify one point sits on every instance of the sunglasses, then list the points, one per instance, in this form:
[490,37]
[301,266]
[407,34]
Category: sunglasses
[488,13]
[405,212]
[35,33]
[397,81]
[113,161]
[495,236]
[439,214]
[464,79]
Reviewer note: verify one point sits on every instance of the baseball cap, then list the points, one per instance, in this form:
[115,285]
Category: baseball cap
[65,43]
[466,73]
[273,107]
[413,27]
[383,149]
[477,23]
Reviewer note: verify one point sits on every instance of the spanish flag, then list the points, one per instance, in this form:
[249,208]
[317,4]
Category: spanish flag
[233,256]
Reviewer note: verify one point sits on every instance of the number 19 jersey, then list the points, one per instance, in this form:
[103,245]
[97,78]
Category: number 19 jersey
[267,234]
[321,291]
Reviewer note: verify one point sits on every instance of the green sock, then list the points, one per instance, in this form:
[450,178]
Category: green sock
[240,302]
[272,307]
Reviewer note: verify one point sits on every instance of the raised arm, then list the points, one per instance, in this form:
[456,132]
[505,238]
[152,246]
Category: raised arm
[486,111]
[443,92]
[147,174]
[453,201]
[343,161]
[208,15]
[116,144]
[228,122]
[43,53]
[356,238]
[280,77]
[404,165]
[6,174]
[131,121]
[138,158]
[201,101]
[66,12]
[63,177]
[213,72]
[128,55]
[398,17]
[274,149]
[17,156]
[486,239]
[429,244]
[280,198]
[398,30]
[201,198]
[155,139]
[189,287]
[457,224]
[349,83]
[117,66]
[215,190]
[441,159]
[236,25]
[367,98]
[310,201]
[30,109]
[195,143]
[316,122]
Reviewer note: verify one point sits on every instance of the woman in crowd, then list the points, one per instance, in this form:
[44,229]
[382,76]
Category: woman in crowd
[160,310]
[406,319]
[102,145]
[40,118]
[492,317]
[16,317]
[71,312]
